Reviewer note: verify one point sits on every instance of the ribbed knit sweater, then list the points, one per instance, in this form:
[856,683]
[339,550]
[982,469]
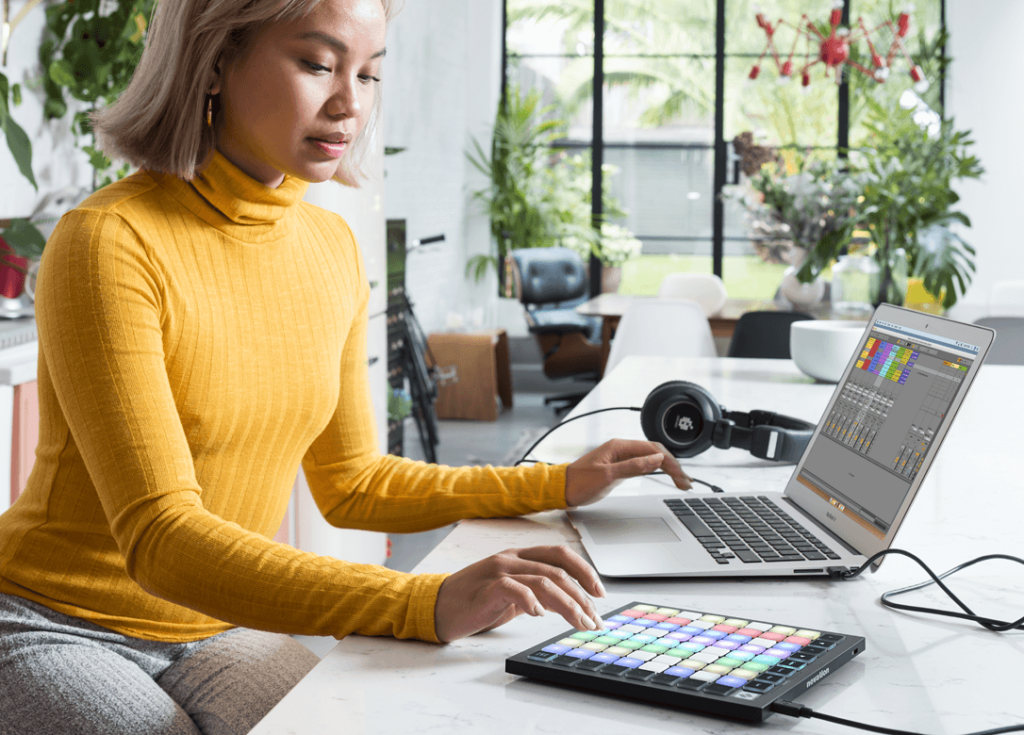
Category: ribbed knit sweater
[198,341]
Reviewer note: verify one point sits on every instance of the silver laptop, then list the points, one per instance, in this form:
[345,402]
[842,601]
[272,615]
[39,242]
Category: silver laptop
[849,492]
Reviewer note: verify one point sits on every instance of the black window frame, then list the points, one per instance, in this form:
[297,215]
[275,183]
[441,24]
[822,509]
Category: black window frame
[722,155]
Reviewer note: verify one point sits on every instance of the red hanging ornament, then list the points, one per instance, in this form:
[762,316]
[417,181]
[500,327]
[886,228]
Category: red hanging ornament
[833,50]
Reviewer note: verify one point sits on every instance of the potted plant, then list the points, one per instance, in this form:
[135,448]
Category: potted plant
[795,205]
[538,197]
[906,203]
[612,244]
[19,235]
[519,198]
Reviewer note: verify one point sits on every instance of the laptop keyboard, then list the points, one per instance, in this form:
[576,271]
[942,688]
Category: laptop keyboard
[751,528]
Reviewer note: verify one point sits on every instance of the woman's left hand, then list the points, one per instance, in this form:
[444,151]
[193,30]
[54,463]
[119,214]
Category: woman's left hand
[594,475]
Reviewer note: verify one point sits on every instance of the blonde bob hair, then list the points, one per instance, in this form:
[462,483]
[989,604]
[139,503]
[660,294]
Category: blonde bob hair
[159,121]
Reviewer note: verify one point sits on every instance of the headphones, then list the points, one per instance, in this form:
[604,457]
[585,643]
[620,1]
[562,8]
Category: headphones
[688,420]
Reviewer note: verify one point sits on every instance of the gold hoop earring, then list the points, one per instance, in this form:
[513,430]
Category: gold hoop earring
[209,111]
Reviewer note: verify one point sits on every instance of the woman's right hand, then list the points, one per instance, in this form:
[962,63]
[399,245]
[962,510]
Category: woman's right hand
[497,589]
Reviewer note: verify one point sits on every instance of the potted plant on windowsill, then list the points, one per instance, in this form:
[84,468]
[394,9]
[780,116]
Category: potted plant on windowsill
[614,246]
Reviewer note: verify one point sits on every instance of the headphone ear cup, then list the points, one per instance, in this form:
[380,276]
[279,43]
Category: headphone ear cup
[682,416]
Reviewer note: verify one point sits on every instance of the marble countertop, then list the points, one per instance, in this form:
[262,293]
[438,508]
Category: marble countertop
[921,673]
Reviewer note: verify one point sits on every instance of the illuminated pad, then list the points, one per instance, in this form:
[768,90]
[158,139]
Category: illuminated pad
[731,665]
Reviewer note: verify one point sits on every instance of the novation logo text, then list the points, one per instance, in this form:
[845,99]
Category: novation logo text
[816,678]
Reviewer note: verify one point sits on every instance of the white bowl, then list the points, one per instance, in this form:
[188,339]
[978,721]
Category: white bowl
[822,348]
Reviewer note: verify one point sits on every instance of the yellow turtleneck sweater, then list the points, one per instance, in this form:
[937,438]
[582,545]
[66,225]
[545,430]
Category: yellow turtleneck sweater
[197,342]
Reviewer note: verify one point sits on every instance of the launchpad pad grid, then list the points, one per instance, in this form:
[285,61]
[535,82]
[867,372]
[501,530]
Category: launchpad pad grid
[731,666]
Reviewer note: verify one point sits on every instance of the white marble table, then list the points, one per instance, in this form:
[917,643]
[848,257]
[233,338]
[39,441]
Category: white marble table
[919,673]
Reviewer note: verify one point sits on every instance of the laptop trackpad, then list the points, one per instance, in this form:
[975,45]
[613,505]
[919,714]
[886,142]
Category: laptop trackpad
[631,531]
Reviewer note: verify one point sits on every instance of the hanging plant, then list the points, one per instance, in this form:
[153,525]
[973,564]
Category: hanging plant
[20,235]
[14,134]
[90,54]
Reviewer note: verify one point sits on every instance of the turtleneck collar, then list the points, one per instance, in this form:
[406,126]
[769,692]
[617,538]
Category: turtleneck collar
[232,201]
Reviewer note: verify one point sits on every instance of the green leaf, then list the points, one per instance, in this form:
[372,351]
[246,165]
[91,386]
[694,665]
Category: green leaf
[97,158]
[24,238]
[16,94]
[54,108]
[478,265]
[82,124]
[21,148]
[62,73]
[960,217]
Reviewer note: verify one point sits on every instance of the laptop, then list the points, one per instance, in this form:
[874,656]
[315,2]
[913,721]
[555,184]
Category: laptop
[850,490]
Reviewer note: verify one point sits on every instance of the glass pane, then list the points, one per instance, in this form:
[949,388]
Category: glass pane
[745,36]
[779,114]
[746,276]
[667,195]
[666,100]
[549,27]
[643,275]
[923,45]
[643,27]
[746,272]
[559,81]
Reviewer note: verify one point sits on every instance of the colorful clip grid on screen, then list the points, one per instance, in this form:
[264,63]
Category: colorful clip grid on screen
[887,360]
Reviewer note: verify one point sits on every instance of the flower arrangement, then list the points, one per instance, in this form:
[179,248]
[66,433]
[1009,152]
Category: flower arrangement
[794,203]
[906,201]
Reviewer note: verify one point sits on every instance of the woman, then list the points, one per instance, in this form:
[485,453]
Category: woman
[202,332]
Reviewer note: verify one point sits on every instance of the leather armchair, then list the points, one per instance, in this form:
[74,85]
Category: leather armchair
[550,283]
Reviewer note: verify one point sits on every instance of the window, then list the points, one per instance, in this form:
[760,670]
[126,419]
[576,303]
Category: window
[670,81]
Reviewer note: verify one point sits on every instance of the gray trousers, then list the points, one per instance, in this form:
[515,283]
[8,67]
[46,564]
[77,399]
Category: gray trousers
[60,675]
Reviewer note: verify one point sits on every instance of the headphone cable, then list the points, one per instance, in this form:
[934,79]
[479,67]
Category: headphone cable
[714,488]
[563,423]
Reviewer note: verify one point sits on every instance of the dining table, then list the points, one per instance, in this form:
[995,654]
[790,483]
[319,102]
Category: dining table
[610,307]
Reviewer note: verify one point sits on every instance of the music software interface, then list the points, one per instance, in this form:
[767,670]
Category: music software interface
[881,427]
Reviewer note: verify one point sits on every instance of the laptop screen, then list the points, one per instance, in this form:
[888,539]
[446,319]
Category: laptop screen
[884,422]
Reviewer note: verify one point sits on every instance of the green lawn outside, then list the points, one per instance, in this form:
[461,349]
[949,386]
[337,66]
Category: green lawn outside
[745,276]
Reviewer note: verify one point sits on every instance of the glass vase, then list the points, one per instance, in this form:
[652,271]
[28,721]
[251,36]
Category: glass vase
[892,277]
[855,280]
[801,296]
